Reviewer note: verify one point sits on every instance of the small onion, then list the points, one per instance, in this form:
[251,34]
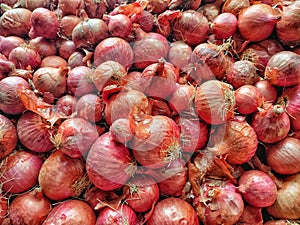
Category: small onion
[67,24]
[119,25]
[157,6]
[33,4]
[96,9]
[235,6]
[43,46]
[66,48]
[267,90]
[145,19]
[120,131]
[180,54]
[181,100]
[69,7]
[53,61]
[224,25]
[8,136]
[3,208]
[66,104]
[25,58]
[7,44]
[251,215]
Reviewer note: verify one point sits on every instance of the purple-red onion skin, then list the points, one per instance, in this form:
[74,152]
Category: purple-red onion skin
[7,44]
[267,90]
[180,54]
[3,208]
[251,215]
[25,58]
[235,6]
[224,25]
[67,24]
[9,136]
[43,46]
[66,104]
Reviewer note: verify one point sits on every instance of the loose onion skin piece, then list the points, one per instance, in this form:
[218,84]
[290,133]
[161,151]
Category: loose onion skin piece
[71,211]
[284,156]
[9,136]
[251,215]
[173,211]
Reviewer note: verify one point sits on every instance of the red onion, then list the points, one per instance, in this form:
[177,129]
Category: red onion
[29,208]
[43,46]
[258,188]
[96,9]
[66,48]
[69,7]
[257,22]
[9,136]
[242,72]
[278,222]
[215,102]
[145,19]
[181,100]
[148,48]
[157,6]
[77,58]
[44,23]
[251,215]
[75,136]
[271,123]
[191,27]
[224,25]
[33,4]
[164,21]
[10,102]
[67,24]
[66,104]
[109,164]
[173,211]
[211,10]
[53,61]
[235,6]
[79,81]
[119,216]
[89,32]
[7,44]
[284,157]
[20,171]
[34,132]
[16,22]
[113,48]
[283,69]
[62,177]
[3,208]
[160,107]
[267,90]
[180,54]
[287,205]
[220,203]
[71,211]
[120,131]
[248,99]
[51,79]
[25,58]
[119,25]
[141,193]
[287,28]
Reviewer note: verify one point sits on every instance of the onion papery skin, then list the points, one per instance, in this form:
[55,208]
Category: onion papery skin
[173,211]
[95,9]
[51,79]
[30,208]
[7,44]
[10,102]
[284,156]
[34,132]
[257,188]
[71,211]
[235,6]
[257,22]
[66,104]
[141,193]
[287,205]
[75,136]
[44,23]
[62,177]
[109,164]
[287,28]
[43,46]
[32,4]
[24,58]
[53,61]
[20,171]
[69,7]
[8,136]
[191,27]
[156,143]
[283,69]
[145,19]
[251,215]
[180,54]
[119,25]
[66,48]
[224,206]
[181,100]
[215,102]
[120,131]
[67,24]
[271,123]
[224,25]
[267,90]
[210,62]
[116,49]
[122,215]
[3,208]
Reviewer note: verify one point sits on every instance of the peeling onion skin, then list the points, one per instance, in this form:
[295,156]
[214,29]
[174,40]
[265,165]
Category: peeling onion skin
[8,136]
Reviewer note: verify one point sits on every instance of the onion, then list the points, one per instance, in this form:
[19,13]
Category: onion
[283,69]
[191,27]
[29,208]
[257,22]
[9,136]
[67,24]
[210,62]
[34,132]
[271,123]
[267,90]
[66,48]
[119,216]
[164,21]
[120,131]
[75,136]
[211,10]
[7,44]
[51,79]
[180,54]
[160,107]
[248,99]
[284,157]
[69,7]
[72,211]
[10,102]
[89,32]
[19,171]
[44,23]
[3,208]
[242,72]
[53,61]
[235,6]
[145,19]
[62,177]
[96,9]
[66,104]
[33,4]
[157,6]
[113,48]
[141,193]
[109,164]
[220,203]
[251,215]
[287,203]
[90,107]
[43,46]
[287,28]
[119,25]
[224,25]
[16,22]
[173,211]
[215,102]
[148,48]
[258,188]
[79,81]
[181,100]
[278,222]
[76,59]
[25,58]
